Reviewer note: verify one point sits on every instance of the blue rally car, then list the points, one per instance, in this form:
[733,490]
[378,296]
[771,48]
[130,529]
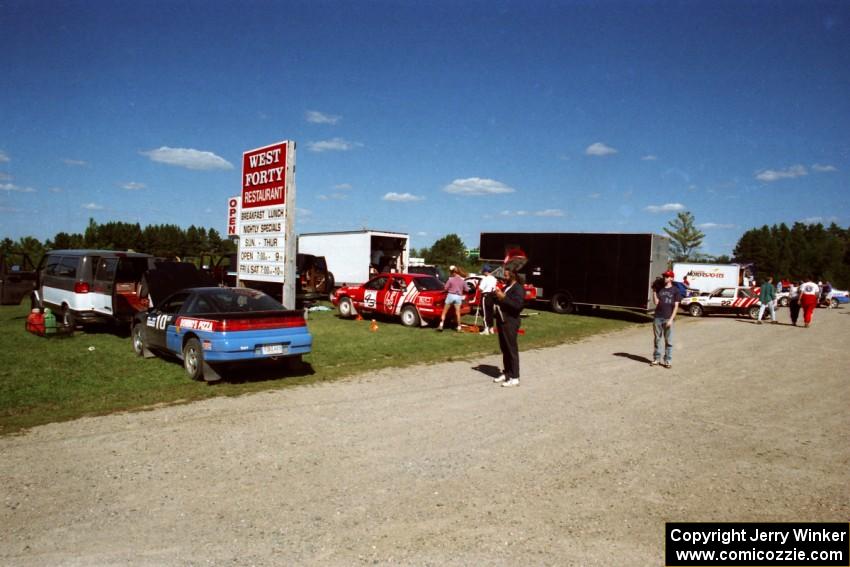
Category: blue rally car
[207,326]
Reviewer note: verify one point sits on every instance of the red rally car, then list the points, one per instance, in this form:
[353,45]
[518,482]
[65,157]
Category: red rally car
[416,299]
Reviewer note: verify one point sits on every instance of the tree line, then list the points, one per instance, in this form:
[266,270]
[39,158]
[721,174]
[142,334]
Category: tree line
[163,240]
[801,251]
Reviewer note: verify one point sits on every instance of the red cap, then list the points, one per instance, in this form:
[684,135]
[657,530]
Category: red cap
[668,274]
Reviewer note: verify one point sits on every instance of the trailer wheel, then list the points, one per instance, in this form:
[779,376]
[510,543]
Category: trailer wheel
[409,316]
[562,303]
[696,310]
[346,308]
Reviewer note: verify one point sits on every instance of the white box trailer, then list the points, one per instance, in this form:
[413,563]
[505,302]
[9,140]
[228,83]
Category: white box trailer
[352,255]
[708,277]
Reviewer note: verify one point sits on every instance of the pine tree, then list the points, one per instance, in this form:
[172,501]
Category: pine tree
[685,238]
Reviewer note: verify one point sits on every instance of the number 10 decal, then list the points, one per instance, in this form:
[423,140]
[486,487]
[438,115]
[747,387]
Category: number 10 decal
[162,322]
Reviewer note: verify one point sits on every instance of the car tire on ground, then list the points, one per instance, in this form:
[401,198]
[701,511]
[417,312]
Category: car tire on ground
[409,316]
[138,336]
[193,359]
[696,310]
[753,312]
[833,303]
[69,320]
[346,308]
[562,303]
[783,302]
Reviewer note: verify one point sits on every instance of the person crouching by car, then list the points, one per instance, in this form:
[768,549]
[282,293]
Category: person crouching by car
[455,287]
[510,303]
[488,303]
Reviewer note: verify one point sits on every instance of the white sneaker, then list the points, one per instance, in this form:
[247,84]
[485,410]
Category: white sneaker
[485,332]
[513,382]
[500,378]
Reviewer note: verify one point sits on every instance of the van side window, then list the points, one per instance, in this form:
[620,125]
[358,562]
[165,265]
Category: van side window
[68,267]
[106,269]
[52,265]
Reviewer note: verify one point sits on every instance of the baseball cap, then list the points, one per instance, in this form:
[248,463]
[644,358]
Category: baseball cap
[668,274]
[486,268]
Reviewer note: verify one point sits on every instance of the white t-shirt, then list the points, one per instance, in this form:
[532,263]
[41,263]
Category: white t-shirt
[488,284]
[809,288]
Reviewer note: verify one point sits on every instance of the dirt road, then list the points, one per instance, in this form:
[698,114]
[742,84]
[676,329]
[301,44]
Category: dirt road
[436,465]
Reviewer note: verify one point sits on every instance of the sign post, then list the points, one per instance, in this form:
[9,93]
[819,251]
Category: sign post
[266,218]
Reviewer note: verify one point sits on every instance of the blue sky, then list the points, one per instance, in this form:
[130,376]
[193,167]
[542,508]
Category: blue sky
[429,117]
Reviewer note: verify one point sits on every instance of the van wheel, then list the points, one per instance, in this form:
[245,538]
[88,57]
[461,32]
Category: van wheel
[69,320]
[346,308]
[561,303]
[138,339]
[193,359]
[695,309]
[409,316]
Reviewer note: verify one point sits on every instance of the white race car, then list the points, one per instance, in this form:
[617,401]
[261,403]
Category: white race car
[736,300]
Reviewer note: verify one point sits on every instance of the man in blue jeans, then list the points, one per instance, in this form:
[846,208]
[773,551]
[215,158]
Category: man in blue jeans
[667,300]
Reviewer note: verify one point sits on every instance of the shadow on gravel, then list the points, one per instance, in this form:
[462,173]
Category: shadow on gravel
[635,357]
[263,371]
[488,369]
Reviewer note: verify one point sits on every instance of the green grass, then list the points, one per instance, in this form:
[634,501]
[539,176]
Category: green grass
[94,373]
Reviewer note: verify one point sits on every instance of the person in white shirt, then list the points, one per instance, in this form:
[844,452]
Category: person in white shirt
[486,288]
[809,294]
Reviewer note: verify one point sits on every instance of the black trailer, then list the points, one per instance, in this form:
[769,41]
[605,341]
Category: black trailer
[571,269]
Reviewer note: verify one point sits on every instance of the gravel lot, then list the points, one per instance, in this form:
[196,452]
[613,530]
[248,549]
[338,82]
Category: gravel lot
[435,465]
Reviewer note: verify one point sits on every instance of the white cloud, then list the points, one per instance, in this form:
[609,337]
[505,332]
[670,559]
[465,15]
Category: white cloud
[649,157]
[343,186]
[594,195]
[543,213]
[818,220]
[665,208]
[421,233]
[303,212]
[333,197]
[477,186]
[133,186]
[316,117]
[599,149]
[333,145]
[824,168]
[75,162]
[188,158]
[710,225]
[401,197]
[769,175]
[92,207]
[11,187]
[4,158]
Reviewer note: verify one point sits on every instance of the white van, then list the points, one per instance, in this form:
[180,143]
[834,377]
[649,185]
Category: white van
[89,286]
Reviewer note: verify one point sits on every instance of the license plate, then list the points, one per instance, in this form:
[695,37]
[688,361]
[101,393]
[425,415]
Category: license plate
[273,349]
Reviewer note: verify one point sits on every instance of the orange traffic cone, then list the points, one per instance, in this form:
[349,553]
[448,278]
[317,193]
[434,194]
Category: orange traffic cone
[374,326]
[359,317]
